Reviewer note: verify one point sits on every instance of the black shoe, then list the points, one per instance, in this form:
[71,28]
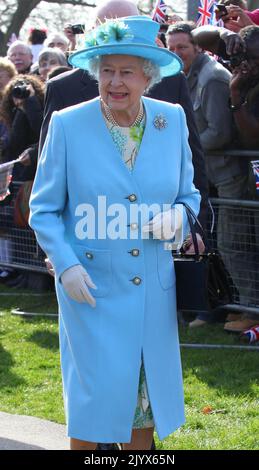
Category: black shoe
[107,447]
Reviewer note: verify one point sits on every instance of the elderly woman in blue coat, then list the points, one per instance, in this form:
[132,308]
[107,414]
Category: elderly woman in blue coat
[105,207]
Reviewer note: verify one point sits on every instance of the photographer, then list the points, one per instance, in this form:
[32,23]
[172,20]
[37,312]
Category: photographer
[244,90]
[22,111]
[243,52]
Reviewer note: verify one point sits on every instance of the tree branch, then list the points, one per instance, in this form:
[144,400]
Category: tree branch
[81,3]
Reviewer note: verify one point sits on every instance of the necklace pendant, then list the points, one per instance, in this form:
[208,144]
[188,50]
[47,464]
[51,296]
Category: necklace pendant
[160,122]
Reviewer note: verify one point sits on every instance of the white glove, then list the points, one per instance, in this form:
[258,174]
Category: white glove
[75,281]
[165,224]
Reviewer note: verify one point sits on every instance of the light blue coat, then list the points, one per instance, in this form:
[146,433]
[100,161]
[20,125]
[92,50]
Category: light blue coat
[101,348]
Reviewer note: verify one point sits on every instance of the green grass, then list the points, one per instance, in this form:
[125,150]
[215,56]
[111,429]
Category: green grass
[225,380]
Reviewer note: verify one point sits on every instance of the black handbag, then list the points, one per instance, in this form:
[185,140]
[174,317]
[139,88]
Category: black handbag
[202,281]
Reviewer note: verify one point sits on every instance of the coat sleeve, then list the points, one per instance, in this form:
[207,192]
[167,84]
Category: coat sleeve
[52,102]
[187,192]
[48,200]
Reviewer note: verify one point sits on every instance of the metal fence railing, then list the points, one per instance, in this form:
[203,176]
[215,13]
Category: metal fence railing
[236,237]
[18,246]
[236,234]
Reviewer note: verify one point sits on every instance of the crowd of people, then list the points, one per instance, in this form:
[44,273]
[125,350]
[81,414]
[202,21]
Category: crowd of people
[218,89]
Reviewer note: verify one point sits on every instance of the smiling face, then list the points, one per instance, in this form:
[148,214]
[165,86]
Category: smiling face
[122,82]
[21,57]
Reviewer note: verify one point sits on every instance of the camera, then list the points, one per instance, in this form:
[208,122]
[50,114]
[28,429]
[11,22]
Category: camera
[221,9]
[78,28]
[21,91]
[236,59]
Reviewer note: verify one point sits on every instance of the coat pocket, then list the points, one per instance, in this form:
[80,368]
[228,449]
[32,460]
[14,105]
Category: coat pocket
[165,266]
[98,264]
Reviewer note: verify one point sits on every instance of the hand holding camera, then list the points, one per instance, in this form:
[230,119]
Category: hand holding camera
[221,11]
[71,31]
[233,16]
[21,91]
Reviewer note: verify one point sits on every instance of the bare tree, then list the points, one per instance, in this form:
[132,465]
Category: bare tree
[13,14]
[146,6]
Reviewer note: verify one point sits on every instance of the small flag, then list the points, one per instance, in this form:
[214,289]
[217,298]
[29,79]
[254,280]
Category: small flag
[255,166]
[206,12]
[5,178]
[159,13]
[252,335]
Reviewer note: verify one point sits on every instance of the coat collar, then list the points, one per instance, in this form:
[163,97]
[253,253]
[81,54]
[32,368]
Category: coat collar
[146,150]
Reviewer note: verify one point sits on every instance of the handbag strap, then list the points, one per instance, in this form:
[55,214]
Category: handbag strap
[192,220]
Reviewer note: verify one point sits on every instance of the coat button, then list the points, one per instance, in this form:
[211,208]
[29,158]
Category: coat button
[132,197]
[136,280]
[134,252]
[134,226]
[89,255]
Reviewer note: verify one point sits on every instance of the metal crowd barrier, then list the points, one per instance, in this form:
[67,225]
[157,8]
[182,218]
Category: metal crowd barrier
[18,246]
[236,237]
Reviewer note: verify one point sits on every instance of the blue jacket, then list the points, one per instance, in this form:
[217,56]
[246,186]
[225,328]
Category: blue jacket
[101,348]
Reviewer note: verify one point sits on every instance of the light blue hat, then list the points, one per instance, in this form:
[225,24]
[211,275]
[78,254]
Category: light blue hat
[133,35]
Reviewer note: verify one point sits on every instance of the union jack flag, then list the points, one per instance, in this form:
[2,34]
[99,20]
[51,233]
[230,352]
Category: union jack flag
[159,13]
[206,14]
[255,166]
[5,178]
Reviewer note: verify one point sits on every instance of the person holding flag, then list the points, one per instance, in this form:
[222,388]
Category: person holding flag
[159,13]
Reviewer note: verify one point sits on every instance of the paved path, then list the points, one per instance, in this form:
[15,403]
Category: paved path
[28,433]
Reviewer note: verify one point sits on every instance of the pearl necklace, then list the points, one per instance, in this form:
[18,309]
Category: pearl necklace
[110,118]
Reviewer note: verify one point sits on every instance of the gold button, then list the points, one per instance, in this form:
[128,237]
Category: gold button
[132,197]
[89,255]
[135,252]
[134,226]
[136,280]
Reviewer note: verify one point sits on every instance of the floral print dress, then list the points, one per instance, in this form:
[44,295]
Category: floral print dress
[128,141]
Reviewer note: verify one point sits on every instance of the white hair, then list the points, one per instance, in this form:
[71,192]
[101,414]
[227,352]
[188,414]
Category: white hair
[19,43]
[150,69]
[56,36]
